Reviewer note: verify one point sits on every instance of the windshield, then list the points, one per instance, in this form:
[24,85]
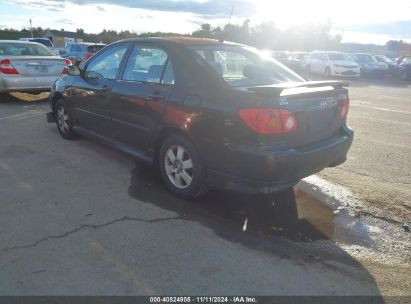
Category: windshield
[384,59]
[364,58]
[337,56]
[406,61]
[244,66]
[23,49]
[95,48]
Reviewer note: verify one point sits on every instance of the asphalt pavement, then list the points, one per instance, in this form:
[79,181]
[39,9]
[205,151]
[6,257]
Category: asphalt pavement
[79,218]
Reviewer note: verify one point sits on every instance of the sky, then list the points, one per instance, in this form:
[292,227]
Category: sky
[364,21]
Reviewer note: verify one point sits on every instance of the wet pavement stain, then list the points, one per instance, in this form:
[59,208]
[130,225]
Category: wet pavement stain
[292,214]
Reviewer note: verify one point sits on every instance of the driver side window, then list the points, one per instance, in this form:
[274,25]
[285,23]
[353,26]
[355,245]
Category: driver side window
[106,65]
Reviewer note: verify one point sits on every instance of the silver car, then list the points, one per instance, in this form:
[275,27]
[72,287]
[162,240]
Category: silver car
[28,67]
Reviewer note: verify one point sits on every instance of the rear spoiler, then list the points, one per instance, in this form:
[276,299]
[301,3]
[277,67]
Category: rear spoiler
[278,88]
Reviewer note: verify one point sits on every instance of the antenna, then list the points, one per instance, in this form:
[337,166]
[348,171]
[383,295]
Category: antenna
[231,14]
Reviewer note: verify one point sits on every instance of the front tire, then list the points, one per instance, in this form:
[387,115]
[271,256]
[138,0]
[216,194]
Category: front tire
[181,167]
[403,76]
[64,120]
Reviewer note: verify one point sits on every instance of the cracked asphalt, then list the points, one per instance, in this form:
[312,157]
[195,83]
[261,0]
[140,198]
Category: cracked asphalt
[79,218]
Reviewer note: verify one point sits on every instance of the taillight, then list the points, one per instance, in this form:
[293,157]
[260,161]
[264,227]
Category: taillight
[6,67]
[65,70]
[88,55]
[269,121]
[344,108]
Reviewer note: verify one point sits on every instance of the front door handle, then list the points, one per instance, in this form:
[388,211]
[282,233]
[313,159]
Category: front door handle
[155,96]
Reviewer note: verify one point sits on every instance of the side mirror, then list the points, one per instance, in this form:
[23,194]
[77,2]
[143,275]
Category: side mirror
[73,70]
[93,75]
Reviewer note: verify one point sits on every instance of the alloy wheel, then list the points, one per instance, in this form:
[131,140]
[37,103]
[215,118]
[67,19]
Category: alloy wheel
[63,120]
[179,166]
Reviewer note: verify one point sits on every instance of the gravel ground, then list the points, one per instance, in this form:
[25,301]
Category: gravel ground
[378,169]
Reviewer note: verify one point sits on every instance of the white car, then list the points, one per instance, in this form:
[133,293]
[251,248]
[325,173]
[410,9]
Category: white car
[332,64]
[28,67]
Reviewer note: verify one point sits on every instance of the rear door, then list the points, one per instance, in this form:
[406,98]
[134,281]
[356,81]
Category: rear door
[140,96]
[90,93]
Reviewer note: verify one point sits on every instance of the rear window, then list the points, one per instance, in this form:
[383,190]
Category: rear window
[94,48]
[243,66]
[45,42]
[22,49]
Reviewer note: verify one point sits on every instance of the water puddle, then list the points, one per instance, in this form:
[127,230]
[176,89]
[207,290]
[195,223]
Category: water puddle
[292,214]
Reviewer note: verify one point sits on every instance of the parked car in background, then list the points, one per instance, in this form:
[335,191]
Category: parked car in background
[44,41]
[281,56]
[331,64]
[300,59]
[28,66]
[405,68]
[78,52]
[211,114]
[293,60]
[370,67]
[393,68]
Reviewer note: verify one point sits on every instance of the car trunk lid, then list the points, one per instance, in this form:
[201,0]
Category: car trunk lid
[37,66]
[316,106]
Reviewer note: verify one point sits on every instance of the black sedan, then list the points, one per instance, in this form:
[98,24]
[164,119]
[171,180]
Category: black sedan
[370,66]
[393,68]
[210,114]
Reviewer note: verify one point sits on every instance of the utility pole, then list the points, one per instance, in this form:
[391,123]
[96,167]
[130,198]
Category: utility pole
[31,29]
[231,14]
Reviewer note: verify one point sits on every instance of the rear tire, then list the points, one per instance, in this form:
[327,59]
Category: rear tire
[64,120]
[181,167]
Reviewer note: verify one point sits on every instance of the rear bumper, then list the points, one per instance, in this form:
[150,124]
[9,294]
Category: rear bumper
[263,170]
[18,83]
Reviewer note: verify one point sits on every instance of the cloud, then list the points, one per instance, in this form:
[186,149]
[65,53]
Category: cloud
[51,5]
[65,21]
[242,8]
[397,28]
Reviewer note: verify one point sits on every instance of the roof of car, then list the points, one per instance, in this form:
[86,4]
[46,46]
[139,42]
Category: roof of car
[29,38]
[20,41]
[87,43]
[183,40]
